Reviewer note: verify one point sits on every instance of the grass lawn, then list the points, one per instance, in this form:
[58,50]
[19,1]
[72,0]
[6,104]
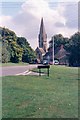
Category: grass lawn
[13,64]
[41,97]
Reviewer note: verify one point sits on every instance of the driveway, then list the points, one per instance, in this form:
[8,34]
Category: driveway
[15,70]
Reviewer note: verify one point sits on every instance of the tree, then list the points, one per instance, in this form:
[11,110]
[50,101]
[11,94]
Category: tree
[72,46]
[5,53]
[28,53]
[59,40]
[16,48]
[15,52]
[75,49]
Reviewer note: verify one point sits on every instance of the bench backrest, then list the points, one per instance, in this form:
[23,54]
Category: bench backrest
[44,66]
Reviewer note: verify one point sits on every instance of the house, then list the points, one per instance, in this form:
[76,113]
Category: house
[60,54]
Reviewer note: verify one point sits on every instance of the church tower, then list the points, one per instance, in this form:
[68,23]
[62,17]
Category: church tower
[42,37]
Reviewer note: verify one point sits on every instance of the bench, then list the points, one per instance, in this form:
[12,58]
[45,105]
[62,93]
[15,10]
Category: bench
[43,67]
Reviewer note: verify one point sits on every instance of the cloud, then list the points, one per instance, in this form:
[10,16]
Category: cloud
[4,20]
[58,18]
[71,15]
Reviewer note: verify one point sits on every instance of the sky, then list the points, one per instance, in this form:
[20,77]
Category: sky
[24,17]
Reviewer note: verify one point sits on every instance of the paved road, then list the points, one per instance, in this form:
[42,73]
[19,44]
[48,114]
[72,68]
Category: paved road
[15,70]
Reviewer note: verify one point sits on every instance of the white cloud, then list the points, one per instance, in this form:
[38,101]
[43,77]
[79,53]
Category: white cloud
[27,21]
[42,9]
[4,20]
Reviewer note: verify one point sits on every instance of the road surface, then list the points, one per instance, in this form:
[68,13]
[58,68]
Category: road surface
[16,70]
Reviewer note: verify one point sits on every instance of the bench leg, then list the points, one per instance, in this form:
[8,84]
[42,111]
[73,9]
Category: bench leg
[48,71]
[39,72]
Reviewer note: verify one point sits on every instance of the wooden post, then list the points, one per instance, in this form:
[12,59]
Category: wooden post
[48,71]
[39,71]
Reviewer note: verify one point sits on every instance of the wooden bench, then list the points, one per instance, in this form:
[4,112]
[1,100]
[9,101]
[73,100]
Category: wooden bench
[43,67]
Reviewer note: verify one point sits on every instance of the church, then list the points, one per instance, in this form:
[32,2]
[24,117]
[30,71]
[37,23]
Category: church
[42,40]
[43,53]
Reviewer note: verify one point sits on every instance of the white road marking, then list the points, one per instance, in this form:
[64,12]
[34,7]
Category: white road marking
[23,73]
[28,73]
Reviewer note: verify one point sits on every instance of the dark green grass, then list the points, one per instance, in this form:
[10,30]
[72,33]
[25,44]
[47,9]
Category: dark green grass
[13,64]
[41,97]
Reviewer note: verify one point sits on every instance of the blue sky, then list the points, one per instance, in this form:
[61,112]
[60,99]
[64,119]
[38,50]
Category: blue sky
[11,8]
[23,17]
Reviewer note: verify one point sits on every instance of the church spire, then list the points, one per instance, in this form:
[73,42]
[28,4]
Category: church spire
[42,36]
[42,28]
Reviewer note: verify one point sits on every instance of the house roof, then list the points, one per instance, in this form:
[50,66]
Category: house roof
[61,53]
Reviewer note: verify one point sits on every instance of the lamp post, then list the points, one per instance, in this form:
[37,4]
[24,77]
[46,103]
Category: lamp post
[53,49]
[48,57]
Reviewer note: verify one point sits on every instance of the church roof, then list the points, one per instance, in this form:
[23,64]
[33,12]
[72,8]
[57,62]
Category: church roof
[40,49]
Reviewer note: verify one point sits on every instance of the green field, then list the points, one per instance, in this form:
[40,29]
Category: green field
[13,64]
[55,96]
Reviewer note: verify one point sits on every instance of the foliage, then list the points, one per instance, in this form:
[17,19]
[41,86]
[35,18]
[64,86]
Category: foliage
[5,53]
[16,52]
[28,53]
[74,49]
[60,40]
[17,49]
[72,45]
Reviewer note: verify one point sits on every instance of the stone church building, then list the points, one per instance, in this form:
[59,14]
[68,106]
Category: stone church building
[42,40]
[43,53]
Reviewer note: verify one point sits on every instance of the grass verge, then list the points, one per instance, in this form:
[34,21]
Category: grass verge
[12,64]
[55,96]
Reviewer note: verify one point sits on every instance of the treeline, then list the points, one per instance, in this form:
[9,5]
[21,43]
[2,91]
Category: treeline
[72,46]
[15,49]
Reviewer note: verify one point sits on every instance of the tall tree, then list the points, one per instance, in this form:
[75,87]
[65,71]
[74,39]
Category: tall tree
[60,40]
[17,47]
[5,53]
[28,53]
[75,49]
